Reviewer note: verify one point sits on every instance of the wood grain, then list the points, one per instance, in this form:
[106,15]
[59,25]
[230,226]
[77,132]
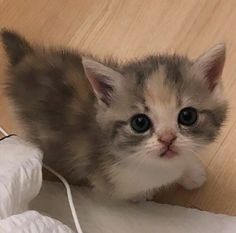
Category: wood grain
[133,28]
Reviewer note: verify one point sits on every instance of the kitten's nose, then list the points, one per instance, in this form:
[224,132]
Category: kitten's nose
[167,138]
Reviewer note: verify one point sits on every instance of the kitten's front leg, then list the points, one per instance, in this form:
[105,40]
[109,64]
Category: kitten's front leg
[195,175]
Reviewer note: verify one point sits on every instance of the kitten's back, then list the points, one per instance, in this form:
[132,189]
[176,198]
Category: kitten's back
[52,100]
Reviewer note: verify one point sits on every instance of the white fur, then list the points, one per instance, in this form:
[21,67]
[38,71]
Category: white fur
[134,177]
[195,175]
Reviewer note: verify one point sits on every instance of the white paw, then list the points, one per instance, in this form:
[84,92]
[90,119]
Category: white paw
[147,196]
[194,178]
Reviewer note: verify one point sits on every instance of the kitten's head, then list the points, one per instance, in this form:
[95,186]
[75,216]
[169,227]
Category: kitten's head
[161,107]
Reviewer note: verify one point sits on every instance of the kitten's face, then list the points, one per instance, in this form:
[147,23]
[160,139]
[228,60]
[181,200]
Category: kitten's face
[164,108]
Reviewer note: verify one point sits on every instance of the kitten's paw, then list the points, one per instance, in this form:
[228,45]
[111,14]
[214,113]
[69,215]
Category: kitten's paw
[147,196]
[194,178]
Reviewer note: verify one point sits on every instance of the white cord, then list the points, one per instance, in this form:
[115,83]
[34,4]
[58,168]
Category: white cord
[68,190]
[70,198]
[3,132]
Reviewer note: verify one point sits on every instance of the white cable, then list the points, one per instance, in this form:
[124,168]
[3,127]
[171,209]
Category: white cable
[70,198]
[3,132]
[68,191]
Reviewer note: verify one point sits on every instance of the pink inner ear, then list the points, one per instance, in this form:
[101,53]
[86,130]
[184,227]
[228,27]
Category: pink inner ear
[104,90]
[213,73]
[101,86]
[211,65]
[104,80]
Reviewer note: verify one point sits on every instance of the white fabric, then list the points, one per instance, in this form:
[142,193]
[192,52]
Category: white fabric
[20,181]
[20,175]
[32,222]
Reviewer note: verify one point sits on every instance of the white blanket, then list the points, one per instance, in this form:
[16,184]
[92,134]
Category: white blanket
[20,181]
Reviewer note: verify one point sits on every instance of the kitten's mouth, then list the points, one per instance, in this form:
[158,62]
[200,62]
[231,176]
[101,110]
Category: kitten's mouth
[168,152]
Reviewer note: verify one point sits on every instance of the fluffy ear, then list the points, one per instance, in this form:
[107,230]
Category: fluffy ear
[211,64]
[15,46]
[105,81]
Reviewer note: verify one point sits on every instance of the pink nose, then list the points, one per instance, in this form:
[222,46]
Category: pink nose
[167,138]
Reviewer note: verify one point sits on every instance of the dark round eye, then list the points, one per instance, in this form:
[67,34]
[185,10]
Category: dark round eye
[140,123]
[187,116]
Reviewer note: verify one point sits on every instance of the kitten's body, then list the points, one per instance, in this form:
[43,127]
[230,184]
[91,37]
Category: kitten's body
[78,109]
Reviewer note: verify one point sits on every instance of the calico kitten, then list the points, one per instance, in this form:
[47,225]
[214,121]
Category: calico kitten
[125,128]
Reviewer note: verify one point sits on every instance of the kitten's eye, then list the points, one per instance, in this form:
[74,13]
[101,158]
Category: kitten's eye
[140,123]
[187,116]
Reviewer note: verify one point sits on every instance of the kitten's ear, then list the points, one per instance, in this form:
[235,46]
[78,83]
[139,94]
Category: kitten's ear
[211,64]
[105,81]
[15,46]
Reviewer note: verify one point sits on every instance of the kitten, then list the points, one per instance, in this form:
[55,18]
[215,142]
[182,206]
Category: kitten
[125,128]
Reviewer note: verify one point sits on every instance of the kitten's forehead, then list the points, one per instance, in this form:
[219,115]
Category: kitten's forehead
[161,78]
[157,91]
[173,84]
[161,98]
[170,87]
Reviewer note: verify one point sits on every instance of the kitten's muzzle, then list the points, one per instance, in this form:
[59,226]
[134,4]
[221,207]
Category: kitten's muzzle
[168,152]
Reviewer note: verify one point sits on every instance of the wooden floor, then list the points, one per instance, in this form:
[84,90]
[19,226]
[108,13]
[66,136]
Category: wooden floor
[134,28]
